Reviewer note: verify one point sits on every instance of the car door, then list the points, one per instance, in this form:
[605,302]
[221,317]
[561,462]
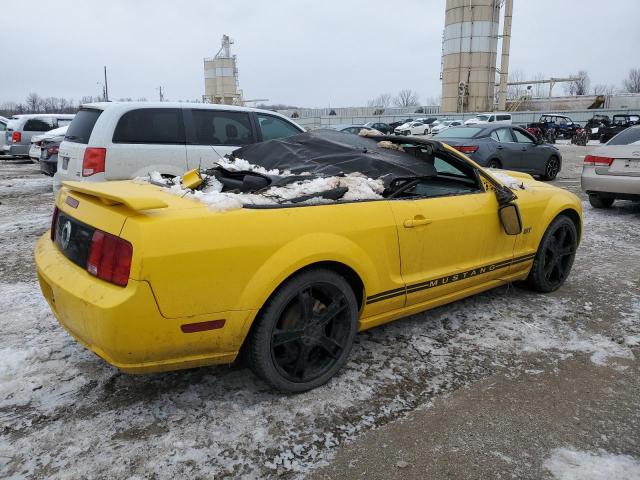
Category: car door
[147,140]
[507,150]
[449,233]
[531,155]
[214,133]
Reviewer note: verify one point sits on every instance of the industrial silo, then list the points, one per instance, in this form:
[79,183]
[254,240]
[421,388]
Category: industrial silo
[221,76]
[469,49]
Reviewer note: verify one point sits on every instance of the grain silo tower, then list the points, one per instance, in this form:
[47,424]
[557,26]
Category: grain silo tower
[470,43]
[221,76]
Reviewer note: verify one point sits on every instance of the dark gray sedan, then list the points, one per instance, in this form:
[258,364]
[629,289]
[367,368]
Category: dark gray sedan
[504,146]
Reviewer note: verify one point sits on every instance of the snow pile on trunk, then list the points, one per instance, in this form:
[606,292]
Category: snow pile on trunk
[358,187]
[508,180]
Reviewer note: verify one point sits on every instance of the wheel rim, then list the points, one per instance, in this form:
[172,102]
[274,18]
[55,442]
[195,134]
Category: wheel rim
[493,164]
[311,333]
[552,168]
[559,251]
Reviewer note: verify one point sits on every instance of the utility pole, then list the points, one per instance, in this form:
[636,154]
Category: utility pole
[106,85]
[161,93]
[504,62]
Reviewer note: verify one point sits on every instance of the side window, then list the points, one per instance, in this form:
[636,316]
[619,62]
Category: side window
[452,178]
[492,118]
[221,127]
[494,135]
[35,125]
[3,127]
[521,137]
[504,135]
[274,127]
[151,125]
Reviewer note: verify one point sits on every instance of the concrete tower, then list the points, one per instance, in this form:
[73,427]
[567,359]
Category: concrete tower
[221,76]
[469,51]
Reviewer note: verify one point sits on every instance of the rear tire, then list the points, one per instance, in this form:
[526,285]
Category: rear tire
[551,168]
[597,201]
[554,259]
[493,163]
[305,332]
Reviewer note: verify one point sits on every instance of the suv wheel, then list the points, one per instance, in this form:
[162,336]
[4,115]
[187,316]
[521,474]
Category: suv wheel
[597,201]
[305,332]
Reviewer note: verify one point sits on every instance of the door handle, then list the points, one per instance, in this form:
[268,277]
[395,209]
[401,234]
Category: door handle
[417,221]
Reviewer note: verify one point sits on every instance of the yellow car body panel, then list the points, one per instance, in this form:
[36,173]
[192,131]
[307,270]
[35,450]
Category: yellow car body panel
[191,264]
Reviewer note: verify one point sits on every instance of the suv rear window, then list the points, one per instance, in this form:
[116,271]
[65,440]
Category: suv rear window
[35,125]
[81,126]
[152,126]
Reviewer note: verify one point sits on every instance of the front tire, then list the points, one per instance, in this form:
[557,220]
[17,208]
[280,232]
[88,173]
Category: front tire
[554,259]
[597,201]
[493,163]
[305,332]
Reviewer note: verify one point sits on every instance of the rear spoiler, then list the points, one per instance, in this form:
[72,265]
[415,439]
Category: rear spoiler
[119,193]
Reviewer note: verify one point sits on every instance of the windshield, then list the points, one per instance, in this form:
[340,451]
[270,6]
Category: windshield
[630,136]
[459,132]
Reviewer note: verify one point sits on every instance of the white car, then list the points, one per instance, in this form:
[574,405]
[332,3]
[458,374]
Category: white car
[3,130]
[416,127]
[36,142]
[125,140]
[483,118]
[443,125]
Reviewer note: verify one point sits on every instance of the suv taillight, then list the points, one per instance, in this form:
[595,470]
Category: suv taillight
[597,160]
[93,161]
[16,137]
[54,219]
[466,148]
[52,150]
[110,258]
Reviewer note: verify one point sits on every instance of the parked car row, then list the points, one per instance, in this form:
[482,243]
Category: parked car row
[21,128]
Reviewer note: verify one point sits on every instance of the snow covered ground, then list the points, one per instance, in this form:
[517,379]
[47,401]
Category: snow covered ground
[66,414]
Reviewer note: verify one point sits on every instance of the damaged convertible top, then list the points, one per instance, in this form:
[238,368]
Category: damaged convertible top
[328,153]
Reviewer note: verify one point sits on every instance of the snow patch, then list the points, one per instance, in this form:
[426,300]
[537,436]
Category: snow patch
[506,179]
[571,464]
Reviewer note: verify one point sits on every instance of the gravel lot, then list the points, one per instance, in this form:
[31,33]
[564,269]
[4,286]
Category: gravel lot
[407,404]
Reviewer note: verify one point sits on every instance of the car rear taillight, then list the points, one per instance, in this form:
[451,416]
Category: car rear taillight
[52,150]
[16,137]
[54,219]
[93,161]
[597,160]
[466,148]
[110,258]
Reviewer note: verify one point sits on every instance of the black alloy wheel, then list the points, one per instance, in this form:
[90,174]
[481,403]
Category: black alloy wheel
[305,333]
[551,168]
[555,256]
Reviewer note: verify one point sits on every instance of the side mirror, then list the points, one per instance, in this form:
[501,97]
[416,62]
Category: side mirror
[510,219]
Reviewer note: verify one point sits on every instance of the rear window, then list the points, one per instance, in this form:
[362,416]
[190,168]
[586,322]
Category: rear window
[630,136]
[151,126]
[459,132]
[36,125]
[82,125]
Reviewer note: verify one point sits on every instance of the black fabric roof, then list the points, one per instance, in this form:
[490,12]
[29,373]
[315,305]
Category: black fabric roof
[328,152]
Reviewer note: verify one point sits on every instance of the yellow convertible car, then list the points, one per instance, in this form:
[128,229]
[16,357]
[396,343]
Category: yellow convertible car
[289,247]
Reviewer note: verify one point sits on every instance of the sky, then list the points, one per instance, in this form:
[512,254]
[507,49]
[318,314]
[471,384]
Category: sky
[304,53]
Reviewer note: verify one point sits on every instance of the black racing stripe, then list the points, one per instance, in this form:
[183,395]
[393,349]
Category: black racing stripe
[454,277]
[386,293]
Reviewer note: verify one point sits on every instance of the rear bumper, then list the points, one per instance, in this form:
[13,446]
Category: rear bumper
[612,184]
[18,150]
[123,325]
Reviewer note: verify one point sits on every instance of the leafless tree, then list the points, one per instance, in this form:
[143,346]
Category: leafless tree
[516,91]
[406,98]
[580,86]
[632,82]
[604,89]
[381,101]
[33,102]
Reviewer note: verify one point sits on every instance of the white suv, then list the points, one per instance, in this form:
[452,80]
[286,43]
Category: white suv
[123,140]
[483,118]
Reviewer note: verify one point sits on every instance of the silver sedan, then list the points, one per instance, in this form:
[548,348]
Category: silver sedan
[613,171]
